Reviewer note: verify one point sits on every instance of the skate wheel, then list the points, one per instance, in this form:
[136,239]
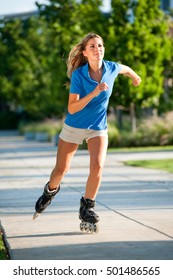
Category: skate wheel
[82,227]
[89,228]
[96,228]
[35,215]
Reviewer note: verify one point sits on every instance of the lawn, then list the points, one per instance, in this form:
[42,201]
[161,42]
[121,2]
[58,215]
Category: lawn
[163,164]
[3,250]
[142,149]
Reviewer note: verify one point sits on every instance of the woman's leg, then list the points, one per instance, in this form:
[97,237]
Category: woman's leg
[65,153]
[97,148]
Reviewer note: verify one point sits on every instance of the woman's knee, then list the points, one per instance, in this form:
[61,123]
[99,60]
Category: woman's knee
[96,167]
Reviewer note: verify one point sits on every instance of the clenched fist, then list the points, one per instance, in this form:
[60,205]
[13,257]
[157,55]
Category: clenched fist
[136,81]
[100,87]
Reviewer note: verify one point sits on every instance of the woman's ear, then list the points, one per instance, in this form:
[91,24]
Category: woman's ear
[84,53]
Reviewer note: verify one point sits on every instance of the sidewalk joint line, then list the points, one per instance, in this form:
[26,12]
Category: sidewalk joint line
[131,219]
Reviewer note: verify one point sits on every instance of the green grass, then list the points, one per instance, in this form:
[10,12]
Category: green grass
[3,251]
[142,149]
[163,164]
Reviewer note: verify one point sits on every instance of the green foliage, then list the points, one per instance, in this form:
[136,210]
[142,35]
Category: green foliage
[3,251]
[50,126]
[155,131]
[138,34]
[113,135]
[30,78]
[166,100]
[34,51]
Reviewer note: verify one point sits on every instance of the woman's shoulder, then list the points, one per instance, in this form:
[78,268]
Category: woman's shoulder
[111,65]
[81,70]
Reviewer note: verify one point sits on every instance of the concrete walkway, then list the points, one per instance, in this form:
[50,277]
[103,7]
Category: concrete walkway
[135,206]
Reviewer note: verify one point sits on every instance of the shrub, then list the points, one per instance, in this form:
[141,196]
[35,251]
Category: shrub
[154,131]
[52,127]
[113,135]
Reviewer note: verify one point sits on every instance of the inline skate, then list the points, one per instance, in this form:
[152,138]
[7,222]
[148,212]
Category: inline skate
[44,200]
[88,217]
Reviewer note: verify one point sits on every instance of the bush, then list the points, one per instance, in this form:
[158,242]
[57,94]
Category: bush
[51,127]
[155,131]
[113,135]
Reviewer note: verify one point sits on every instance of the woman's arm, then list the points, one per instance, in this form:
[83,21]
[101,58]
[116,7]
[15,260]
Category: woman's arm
[75,104]
[127,71]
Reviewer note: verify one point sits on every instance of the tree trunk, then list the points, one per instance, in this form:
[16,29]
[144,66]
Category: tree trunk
[119,117]
[133,116]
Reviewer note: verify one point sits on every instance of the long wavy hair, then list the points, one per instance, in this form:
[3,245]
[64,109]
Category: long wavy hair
[76,57]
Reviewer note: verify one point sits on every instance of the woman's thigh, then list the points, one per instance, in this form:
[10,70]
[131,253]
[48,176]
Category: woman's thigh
[65,153]
[97,148]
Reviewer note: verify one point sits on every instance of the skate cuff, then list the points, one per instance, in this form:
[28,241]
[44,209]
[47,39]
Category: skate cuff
[51,191]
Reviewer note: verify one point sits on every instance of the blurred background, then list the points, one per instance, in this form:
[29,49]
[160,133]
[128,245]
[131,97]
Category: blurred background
[35,39]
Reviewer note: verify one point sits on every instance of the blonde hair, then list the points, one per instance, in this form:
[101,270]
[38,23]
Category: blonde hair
[76,57]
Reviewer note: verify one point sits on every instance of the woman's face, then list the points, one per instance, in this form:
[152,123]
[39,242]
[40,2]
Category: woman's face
[94,50]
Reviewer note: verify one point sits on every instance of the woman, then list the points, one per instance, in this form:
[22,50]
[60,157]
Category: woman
[92,80]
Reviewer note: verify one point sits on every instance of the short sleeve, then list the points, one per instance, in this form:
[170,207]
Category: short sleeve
[118,67]
[75,84]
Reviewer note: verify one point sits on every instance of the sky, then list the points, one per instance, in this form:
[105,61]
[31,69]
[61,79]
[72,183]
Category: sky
[19,6]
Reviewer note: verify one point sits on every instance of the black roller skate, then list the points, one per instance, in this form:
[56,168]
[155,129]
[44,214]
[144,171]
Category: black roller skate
[44,200]
[88,217]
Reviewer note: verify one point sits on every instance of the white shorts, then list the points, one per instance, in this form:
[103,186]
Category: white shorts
[77,135]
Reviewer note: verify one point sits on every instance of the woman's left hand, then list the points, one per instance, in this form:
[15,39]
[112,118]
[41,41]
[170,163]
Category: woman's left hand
[136,81]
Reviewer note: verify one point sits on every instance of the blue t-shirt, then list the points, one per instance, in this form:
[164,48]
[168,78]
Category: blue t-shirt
[94,114]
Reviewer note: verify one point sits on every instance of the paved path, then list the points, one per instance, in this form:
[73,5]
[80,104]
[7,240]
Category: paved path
[135,206]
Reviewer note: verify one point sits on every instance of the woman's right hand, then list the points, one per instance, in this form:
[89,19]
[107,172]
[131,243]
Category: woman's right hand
[99,88]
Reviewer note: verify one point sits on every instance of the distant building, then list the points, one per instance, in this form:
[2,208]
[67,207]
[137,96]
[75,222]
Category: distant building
[166,5]
[23,15]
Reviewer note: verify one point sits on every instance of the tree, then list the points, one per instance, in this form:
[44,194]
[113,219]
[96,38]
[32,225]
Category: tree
[138,35]
[34,52]
[30,67]
[166,100]
[66,24]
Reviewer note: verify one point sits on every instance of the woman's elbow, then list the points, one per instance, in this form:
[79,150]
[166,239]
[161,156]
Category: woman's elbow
[71,110]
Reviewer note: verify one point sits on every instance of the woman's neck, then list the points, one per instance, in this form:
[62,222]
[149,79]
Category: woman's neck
[95,72]
[95,67]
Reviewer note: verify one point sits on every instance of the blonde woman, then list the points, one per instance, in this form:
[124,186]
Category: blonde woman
[91,83]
